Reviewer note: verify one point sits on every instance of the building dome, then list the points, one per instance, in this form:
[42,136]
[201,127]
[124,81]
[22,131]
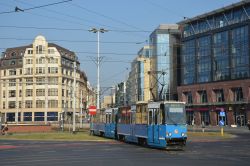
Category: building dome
[40,40]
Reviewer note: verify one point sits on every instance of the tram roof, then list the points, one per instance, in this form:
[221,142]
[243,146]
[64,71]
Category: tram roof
[109,110]
[158,103]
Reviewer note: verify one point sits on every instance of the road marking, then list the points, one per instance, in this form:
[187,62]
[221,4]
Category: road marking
[7,147]
[49,151]
[80,150]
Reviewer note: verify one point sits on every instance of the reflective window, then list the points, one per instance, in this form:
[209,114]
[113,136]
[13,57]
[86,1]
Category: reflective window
[10,117]
[163,64]
[221,56]
[204,59]
[188,61]
[205,118]
[141,81]
[188,97]
[27,116]
[237,94]
[240,53]
[52,116]
[219,20]
[203,96]
[39,116]
[219,95]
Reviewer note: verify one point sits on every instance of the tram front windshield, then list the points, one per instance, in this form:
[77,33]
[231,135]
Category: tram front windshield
[175,114]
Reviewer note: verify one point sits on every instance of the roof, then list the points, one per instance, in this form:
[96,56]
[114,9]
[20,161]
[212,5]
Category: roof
[19,52]
[59,48]
[223,9]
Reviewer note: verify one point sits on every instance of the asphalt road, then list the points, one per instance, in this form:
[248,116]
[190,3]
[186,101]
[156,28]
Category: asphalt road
[233,152]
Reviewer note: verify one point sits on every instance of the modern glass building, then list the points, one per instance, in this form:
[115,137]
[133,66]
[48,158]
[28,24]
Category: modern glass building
[215,62]
[138,84]
[164,52]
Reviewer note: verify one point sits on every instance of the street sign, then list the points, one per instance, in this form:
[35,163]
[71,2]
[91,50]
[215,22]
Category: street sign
[221,123]
[222,113]
[92,110]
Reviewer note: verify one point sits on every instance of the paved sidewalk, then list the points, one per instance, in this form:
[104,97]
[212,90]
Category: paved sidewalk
[218,129]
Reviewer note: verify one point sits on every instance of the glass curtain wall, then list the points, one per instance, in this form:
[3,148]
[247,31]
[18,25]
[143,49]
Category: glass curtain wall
[188,62]
[141,81]
[163,65]
[204,59]
[221,56]
[240,53]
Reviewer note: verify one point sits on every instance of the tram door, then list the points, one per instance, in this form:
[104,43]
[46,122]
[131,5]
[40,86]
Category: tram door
[153,126]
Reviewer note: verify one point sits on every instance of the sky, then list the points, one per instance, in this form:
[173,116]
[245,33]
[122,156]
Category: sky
[130,22]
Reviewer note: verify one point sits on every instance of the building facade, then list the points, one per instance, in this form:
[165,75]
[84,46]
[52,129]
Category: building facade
[215,63]
[37,83]
[108,102]
[138,84]
[165,50]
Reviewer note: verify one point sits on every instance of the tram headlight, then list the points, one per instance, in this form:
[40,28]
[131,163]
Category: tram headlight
[182,134]
[169,134]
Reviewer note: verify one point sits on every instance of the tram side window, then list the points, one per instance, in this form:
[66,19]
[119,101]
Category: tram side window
[128,117]
[107,118]
[144,114]
[162,114]
[138,115]
[112,117]
[156,116]
[150,117]
[102,117]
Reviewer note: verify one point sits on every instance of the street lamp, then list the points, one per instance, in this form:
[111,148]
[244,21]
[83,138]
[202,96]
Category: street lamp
[94,30]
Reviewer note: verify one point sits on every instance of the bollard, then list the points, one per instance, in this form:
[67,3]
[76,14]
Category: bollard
[222,131]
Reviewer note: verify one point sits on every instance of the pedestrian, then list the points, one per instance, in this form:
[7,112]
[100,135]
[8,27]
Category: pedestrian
[248,124]
[193,122]
[203,124]
[5,129]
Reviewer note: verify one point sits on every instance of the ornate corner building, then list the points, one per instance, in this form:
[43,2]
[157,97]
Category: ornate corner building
[36,83]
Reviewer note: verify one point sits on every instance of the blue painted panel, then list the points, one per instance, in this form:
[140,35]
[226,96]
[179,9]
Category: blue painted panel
[150,134]
[110,130]
[176,131]
[123,129]
[140,130]
[156,134]
[97,127]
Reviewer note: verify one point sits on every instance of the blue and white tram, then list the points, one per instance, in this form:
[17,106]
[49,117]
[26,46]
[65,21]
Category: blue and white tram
[156,124]
[166,124]
[104,123]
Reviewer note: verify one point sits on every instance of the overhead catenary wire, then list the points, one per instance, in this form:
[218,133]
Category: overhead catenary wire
[17,9]
[72,41]
[114,29]
[70,29]
[105,16]
[71,16]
